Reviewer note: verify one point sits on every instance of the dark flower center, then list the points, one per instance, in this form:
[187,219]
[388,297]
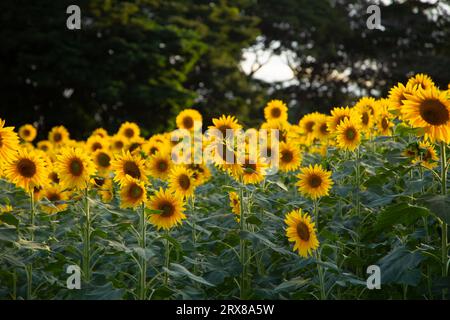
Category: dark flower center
[131,168]
[309,126]
[54,177]
[286,156]
[57,137]
[275,112]
[135,191]
[303,231]
[184,182]
[96,146]
[53,197]
[76,167]
[103,160]
[188,122]
[365,118]
[434,112]
[162,166]
[350,134]
[315,181]
[26,168]
[323,128]
[129,133]
[167,209]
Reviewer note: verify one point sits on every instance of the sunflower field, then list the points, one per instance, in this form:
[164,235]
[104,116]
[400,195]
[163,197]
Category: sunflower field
[364,186]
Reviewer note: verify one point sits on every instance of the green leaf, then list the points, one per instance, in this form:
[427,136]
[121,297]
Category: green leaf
[401,213]
[179,270]
[401,266]
[439,205]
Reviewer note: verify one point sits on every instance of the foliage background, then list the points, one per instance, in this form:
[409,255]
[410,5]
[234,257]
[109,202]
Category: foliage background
[144,60]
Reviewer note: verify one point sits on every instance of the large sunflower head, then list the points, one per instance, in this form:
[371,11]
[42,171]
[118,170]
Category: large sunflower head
[170,207]
[276,110]
[9,142]
[421,81]
[187,118]
[181,182]
[225,123]
[429,109]
[289,157]
[56,197]
[129,130]
[348,135]
[314,181]
[132,193]
[160,165]
[127,164]
[27,132]
[58,136]
[27,170]
[338,115]
[301,230]
[102,159]
[74,168]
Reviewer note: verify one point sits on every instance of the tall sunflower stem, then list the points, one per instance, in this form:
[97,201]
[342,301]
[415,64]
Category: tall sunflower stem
[87,238]
[444,226]
[358,205]
[143,260]
[167,260]
[242,245]
[323,295]
[29,267]
[194,232]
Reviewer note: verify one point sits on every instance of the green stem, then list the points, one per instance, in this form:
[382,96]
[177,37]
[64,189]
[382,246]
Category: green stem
[194,232]
[242,244]
[444,226]
[142,260]
[32,215]
[167,260]
[87,238]
[358,207]
[323,295]
[29,273]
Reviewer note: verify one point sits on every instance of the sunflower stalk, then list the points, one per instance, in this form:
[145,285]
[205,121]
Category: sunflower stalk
[242,246]
[358,205]
[29,267]
[142,259]
[86,238]
[444,226]
[167,259]
[323,295]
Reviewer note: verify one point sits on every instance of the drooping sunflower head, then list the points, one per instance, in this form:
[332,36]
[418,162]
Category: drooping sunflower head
[187,118]
[289,157]
[127,164]
[132,193]
[235,204]
[104,187]
[276,110]
[384,119]
[160,165]
[102,159]
[58,136]
[200,172]
[348,135]
[338,115]
[56,198]
[170,207]
[9,142]
[129,130]
[301,230]
[27,170]
[429,109]
[314,181]
[181,182]
[74,168]
[27,132]
[421,81]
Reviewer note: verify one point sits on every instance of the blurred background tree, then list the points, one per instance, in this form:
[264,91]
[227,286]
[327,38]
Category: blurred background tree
[144,60]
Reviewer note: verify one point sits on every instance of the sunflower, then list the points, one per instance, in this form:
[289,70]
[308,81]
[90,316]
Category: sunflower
[235,204]
[200,172]
[429,109]
[118,143]
[104,187]
[45,145]
[135,145]
[282,128]
[53,176]
[187,118]
[276,110]
[396,97]
[58,136]
[152,147]
[5,208]
[100,132]
[160,165]
[421,81]
[314,182]
[225,123]
[337,116]
[348,135]
[102,159]
[181,182]
[427,155]
[74,168]
[307,124]
[290,157]
[9,142]
[171,209]
[95,143]
[129,130]
[129,165]
[27,132]
[321,129]
[364,113]
[252,171]
[301,230]
[57,197]
[384,119]
[132,193]
[27,170]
